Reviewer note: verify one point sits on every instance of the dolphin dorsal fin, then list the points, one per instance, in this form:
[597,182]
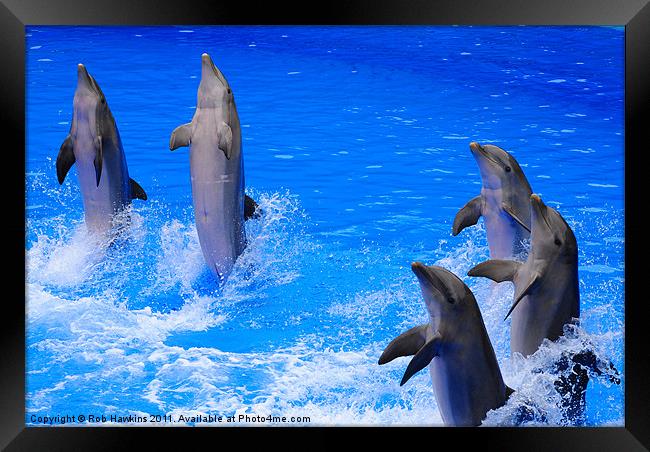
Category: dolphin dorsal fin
[406,344]
[468,215]
[498,270]
[423,357]
[65,159]
[137,192]
[510,211]
[251,208]
[181,136]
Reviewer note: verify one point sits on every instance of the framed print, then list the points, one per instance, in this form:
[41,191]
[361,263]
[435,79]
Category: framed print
[381,217]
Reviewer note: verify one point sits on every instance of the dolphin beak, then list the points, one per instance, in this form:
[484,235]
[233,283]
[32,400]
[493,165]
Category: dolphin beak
[475,147]
[535,199]
[480,154]
[84,80]
[208,69]
[434,281]
[538,212]
[427,276]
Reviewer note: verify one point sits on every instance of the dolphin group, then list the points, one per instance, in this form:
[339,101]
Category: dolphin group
[454,343]
[216,165]
[465,375]
[466,378]
[216,171]
[94,144]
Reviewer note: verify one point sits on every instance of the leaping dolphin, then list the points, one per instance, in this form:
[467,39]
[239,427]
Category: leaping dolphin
[503,202]
[94,144]
[216,171]
[466,378]
[547,296]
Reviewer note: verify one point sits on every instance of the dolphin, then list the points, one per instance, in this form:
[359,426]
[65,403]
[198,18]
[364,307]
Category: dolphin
[503,202]
[94,144]
[547,295]
[466,378]
[216,171]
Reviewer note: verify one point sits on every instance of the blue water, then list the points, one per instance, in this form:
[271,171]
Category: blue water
[356,146]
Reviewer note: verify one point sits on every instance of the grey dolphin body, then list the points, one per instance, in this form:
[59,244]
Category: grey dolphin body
[547,295]
[216,170]
[94,144]
[503,202]
[466,378]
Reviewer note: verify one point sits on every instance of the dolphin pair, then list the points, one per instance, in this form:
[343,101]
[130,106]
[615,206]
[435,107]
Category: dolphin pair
[549,277]
[216,165]
[547,293]
[94,144]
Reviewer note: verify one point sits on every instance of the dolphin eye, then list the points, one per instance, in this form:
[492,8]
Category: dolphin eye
[558,242]
[103,100]
[508,169]
[450,300]
[229,91]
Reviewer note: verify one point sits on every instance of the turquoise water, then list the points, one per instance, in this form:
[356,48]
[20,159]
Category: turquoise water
[356,144]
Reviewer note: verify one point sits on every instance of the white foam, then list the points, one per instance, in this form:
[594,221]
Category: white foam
[330,375]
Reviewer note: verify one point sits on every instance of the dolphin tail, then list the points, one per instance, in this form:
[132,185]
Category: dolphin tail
[468,215]
[181,136]
[251,208]
[65,159]
[137,192]
[498,270]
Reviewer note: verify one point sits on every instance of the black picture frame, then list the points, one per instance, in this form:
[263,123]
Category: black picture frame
[15,14]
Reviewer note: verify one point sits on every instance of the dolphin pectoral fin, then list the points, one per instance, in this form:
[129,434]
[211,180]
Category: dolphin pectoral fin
[181,136]
[498,270]
[525,290]
[406,344]
[137,192]
[423,357]
[251,208]
[468,215]
[510,211]
[509,392]
[225,139]
[65,159]
[99,158]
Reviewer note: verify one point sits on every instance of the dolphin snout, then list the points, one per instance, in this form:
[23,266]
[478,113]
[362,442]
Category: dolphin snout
[476,147]
[417,266]
[427,275]
[420,270]
[83,77]
[539,212]
[209,69]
